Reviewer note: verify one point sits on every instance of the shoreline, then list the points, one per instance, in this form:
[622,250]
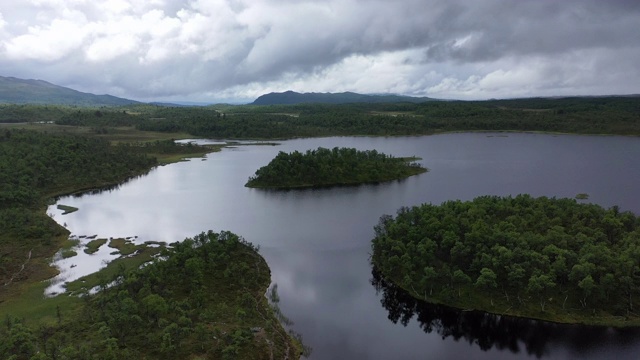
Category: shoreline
[580,320]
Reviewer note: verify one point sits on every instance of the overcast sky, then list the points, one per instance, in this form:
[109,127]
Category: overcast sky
[225,50]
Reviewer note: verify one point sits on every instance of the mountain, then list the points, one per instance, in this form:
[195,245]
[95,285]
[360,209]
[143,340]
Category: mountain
[21,91]
[292,97]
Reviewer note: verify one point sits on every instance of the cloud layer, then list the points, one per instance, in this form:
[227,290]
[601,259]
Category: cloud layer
[206,50]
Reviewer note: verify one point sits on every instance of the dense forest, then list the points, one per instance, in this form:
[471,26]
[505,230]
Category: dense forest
[204,299]
[554,259]
[338,166]
[597,115]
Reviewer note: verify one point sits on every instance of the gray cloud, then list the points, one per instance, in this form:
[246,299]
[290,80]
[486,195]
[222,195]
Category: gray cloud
[203,49]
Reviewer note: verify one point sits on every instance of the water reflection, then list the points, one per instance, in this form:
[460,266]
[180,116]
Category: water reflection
[487,331]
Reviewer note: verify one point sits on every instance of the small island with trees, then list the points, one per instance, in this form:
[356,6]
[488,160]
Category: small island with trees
[544,258]
[339,166]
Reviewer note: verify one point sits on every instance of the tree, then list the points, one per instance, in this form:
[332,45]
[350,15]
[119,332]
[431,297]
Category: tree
[540,285]
[429,276]
[486,280]
[460,279]
[155,307]
[587,285]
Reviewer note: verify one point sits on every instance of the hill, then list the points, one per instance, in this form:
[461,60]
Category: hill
[21,91]
[292,97]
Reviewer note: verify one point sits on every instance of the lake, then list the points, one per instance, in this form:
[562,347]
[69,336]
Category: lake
[317,242]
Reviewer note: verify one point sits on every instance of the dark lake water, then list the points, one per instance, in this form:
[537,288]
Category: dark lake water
[317,242]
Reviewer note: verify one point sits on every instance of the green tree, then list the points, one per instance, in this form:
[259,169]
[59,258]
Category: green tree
[540,285]
[461,279]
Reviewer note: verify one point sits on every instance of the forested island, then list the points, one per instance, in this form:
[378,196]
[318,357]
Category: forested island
[545,258]
[339,166]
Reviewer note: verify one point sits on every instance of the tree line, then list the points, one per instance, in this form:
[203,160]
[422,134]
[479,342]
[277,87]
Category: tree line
[598,115]
[549,258]
[325,167]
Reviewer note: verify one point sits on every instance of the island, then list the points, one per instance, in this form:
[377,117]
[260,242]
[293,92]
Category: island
[544,258]
[339,166]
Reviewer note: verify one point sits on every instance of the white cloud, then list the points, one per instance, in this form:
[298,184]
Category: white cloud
[114,7]
[107,48]
[46,44]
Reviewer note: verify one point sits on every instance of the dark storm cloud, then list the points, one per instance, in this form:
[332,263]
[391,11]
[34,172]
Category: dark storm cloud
[240,48]
[542,28]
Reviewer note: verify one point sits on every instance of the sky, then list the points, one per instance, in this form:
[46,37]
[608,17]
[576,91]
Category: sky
[237,50]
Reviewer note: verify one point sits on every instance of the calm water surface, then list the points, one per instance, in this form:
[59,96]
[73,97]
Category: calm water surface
[317,242]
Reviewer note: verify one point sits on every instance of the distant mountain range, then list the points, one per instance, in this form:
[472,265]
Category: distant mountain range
[292,97]
[21,91]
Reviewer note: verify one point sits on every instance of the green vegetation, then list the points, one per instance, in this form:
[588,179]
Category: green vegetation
[36,166]
[67,209]
[596,115]
[40,114]
[211,316]
[552,259]
[124,247]
[339,166]
[94,245]
[607,115]
[204,300]
[582,196]
[68,253]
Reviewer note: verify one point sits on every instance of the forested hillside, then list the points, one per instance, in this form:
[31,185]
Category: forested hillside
[338,166]
[547,258]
